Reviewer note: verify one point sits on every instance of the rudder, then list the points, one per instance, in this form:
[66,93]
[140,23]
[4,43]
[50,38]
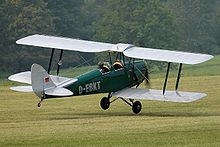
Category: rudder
[40,80]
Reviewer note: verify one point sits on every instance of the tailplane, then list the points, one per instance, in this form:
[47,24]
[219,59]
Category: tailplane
[42,84]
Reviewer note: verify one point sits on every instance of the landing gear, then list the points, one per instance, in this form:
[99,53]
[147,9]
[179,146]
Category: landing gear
[105,103]
[136,108]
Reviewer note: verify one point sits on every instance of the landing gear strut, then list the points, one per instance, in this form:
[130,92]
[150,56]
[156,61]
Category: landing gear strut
[136,106]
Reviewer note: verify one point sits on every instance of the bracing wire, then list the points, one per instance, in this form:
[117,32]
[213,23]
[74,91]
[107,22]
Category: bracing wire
[84,59]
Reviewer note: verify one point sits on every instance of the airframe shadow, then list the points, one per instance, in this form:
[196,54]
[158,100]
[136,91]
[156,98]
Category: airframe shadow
[59,116]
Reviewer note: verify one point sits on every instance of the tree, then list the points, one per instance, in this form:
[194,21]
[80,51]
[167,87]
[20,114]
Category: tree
[195,24]
[216,31]
[22,18]
[67,17]
[141,22]
[72,19]
[146,23]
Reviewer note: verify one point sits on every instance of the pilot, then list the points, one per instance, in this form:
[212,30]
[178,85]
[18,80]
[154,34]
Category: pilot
[117,65]
[104,66]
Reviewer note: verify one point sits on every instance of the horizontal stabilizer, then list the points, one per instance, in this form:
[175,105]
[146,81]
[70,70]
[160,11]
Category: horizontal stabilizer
[57,79]
[22,88]
[25,77]
[58,91]
[22,77]
[151,94]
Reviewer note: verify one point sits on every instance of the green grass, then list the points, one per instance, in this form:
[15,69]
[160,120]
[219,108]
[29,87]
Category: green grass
[79,121]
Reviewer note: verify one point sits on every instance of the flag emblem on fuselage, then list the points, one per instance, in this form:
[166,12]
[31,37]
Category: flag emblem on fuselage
[46,80]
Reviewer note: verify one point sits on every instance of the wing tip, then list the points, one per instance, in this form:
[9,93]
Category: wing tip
[22,40]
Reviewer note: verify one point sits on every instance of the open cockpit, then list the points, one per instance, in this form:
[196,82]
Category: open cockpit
[106,67]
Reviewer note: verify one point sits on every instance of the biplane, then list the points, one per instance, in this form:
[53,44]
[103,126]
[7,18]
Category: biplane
[119,78]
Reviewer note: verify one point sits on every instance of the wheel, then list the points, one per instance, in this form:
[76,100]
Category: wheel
[136,108]
[105,103]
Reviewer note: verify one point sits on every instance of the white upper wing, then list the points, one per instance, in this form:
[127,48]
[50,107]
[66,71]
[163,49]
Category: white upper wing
[151,94]
[128,49]
[166,55]
[64,43]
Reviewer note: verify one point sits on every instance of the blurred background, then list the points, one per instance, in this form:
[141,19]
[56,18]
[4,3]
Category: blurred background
[189,25]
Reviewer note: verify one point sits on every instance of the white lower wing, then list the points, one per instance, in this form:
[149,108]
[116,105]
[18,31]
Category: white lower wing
[151,94]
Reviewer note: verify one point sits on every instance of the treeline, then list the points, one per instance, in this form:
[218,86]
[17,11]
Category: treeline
[170,24]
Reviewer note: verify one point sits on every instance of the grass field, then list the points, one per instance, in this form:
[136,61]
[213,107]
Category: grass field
[79,121]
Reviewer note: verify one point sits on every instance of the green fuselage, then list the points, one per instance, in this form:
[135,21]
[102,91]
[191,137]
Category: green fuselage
[95,81]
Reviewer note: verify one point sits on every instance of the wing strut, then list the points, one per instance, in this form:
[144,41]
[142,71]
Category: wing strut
[167,74]
[178,76]
[50,62]
[59,62]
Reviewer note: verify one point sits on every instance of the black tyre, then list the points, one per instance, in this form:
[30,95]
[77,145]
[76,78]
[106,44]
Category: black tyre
[105,103]
[39,104]
[136,108]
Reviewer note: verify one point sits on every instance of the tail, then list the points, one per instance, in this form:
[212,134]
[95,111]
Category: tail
[43,85]
[40,80]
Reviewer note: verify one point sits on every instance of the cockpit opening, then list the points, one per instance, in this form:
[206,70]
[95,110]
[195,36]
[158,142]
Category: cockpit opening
[104,67]
[118,65]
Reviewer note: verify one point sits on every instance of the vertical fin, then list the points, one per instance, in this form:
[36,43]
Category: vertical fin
[40,80]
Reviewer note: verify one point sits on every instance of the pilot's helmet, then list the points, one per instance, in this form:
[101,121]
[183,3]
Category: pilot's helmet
[118,65]
[100,64]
